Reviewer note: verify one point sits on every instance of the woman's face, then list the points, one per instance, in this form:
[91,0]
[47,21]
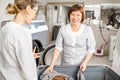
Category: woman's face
[75,17]
[31,15]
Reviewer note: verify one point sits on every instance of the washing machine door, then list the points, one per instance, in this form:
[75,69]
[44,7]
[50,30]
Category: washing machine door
[39,48]
[48,54]
[38,45]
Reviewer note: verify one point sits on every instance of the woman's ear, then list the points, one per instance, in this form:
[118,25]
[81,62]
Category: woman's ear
[28,9]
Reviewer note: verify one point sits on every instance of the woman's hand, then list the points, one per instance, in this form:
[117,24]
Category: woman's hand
[83,67]
[50,68]
[87,58]
[36,55]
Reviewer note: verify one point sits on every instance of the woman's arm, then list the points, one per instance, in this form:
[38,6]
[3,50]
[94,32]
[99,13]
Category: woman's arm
[86,60]
[91,49]
[58,49]
[54,58]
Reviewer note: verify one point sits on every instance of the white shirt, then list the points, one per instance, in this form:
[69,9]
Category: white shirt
[75,45]
[16,57]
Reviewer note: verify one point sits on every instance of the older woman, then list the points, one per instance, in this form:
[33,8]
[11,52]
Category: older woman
[76,40]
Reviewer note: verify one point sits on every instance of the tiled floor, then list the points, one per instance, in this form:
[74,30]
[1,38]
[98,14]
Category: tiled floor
[100,60]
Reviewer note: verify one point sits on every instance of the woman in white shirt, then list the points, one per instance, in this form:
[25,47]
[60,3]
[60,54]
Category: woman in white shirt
[16,57]
[76,40]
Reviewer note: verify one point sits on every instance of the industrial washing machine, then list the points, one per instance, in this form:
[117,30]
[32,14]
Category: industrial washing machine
[38,29]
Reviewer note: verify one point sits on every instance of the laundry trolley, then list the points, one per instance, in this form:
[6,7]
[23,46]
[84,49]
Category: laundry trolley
[92,72]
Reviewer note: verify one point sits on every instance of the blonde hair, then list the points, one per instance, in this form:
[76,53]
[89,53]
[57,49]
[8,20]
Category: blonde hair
[20,5]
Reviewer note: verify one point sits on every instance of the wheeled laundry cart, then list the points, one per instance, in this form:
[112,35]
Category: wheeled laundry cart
[93,72]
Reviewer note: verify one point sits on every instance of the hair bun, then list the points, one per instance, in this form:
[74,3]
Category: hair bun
[12,9]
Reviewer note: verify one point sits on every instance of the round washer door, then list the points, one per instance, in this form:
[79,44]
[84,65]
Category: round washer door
[39,48]
[48,54]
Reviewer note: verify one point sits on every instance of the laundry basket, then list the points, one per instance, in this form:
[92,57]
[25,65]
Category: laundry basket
[93,72]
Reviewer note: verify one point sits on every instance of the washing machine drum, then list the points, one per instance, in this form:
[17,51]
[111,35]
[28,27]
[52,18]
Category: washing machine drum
[38,45]
[48,54]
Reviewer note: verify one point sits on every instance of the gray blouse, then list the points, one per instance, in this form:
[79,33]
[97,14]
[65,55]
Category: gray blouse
[75,45]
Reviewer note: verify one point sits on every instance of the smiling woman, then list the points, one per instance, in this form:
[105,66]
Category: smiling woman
[16,57]
[76,40]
